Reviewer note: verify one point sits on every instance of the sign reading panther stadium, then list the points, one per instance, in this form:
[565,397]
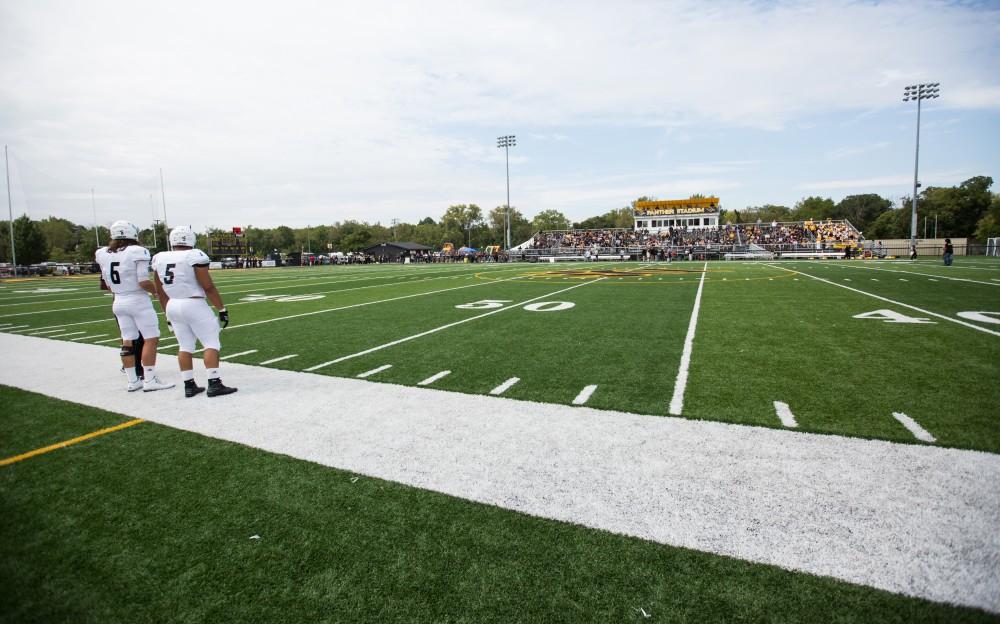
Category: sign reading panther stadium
[698,205]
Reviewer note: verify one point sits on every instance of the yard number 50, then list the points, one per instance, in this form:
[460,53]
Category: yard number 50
[541,306]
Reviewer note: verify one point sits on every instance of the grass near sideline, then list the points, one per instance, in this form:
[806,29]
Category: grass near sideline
[151,524]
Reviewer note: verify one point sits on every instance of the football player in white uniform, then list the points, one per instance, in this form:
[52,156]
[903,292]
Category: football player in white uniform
[183,284]
[125,272]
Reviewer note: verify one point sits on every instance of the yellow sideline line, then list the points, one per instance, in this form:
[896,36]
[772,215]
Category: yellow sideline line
[59,445]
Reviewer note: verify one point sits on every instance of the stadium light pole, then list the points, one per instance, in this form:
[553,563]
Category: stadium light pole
[506,142]
[918,93]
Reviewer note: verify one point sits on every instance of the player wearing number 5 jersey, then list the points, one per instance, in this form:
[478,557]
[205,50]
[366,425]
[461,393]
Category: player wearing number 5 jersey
[125,272]
[183,284]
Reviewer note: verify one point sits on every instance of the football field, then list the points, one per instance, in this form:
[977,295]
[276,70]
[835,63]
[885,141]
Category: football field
[516,442]
[890,350]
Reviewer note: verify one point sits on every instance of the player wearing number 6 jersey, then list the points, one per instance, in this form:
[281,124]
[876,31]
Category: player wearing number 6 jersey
[183,284]
[125,272]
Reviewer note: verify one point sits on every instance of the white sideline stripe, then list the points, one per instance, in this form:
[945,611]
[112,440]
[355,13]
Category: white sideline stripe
[374,370]
[444,327]
[108,340]
[930,275]
[677,402]
[505,386]
[918,432]
[434,378]
[800,501]
[785,414]
[232,355]
[886,299]
[278,359]
[89,337]
[63,335]
[584,395]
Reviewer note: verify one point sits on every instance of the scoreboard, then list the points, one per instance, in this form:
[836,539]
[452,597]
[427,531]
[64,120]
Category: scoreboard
[229,245]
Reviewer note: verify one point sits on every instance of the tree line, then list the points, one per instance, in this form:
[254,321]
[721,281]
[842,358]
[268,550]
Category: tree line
[969,209]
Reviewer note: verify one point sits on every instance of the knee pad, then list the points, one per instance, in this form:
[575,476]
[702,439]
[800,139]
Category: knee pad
[127,351]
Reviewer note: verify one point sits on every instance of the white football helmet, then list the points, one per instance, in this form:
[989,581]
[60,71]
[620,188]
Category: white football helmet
[183,236]
[121,230]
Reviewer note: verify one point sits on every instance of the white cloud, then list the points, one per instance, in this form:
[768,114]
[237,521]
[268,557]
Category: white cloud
[937,178]
[303,111]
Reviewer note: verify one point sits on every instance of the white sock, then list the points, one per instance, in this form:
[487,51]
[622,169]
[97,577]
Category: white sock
[187,375]
[213,373]
[130,371]
[149,372]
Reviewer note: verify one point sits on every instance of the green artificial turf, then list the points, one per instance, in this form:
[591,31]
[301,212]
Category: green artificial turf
[151,524]
[767,331]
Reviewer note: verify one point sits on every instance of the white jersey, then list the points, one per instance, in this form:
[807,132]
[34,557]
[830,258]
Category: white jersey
[123,270]
[176,271]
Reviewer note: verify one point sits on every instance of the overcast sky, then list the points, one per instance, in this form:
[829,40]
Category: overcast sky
[313,112]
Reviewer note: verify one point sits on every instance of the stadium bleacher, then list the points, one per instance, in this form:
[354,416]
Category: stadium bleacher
[801,239]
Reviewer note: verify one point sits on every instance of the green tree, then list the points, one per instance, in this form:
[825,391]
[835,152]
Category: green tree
[520,227]
[61,236]
[989,224]
[862,210]
[460,220]
[814,208]
[766,213]
[31,246]
[284,239]
[894,223]
[550,220]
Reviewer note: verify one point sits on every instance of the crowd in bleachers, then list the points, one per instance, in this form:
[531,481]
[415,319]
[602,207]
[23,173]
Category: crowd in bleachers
[811,233]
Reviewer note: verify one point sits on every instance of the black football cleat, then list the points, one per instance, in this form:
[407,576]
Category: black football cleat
[191,389]
[215,388]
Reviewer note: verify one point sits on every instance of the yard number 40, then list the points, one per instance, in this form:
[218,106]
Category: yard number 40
[541,306]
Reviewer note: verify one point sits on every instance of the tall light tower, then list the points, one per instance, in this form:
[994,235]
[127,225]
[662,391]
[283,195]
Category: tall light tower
[918,92]
[506,142]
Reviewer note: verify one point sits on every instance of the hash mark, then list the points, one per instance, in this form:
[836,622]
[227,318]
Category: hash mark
[785,414]
[584,395]
[505,386]
[232,355]
[918,432]
[374,370]
[278,359]
[434,378]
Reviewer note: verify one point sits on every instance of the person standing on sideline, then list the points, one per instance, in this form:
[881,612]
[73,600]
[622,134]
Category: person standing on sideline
[182,285]
[125,272]
[949,252]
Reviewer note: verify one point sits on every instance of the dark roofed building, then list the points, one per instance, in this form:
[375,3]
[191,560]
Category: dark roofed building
[392,251]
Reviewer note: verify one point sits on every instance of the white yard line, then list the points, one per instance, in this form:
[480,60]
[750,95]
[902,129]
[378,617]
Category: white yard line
[16,328]
[785,414]
[69,334]
[108,340]
[920,520]
[892,301]
[677,401]
[374,371]
[89,337]
[366,303]
[931,275]
[434,378]
[444,327]
[584,395]
[47,331]
[232,355]
[279,359]
[913,427]
[505,386]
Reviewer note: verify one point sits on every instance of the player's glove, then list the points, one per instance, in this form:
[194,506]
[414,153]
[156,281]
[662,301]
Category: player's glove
[224,317]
